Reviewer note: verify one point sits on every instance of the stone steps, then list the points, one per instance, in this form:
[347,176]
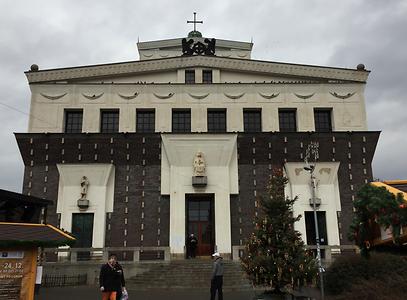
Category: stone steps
[188,274]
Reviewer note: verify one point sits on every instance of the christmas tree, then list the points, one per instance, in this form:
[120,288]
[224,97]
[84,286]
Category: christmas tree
[275,256]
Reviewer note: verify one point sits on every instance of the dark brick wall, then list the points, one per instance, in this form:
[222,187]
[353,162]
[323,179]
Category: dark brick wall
[137,175]
[136,158]
[260,152]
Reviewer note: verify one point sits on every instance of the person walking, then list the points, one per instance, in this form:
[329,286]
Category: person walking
[111,279]
[217,277]
[192,244]
[121,288]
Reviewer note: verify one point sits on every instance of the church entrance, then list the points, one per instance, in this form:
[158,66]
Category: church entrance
[82,229]
[200,222]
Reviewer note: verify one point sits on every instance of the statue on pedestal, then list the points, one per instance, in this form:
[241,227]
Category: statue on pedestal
[84,187]
[83,203]
[199,164]
[199,176]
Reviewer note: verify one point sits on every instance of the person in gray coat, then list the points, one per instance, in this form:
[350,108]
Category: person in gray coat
[217,277]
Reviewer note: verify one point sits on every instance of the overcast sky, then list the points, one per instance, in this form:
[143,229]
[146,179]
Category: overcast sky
[342,33]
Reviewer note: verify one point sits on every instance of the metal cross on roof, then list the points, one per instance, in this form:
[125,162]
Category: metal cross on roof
[195,21]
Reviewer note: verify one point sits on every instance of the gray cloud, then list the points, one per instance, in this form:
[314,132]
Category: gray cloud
[377,39]
[66,33]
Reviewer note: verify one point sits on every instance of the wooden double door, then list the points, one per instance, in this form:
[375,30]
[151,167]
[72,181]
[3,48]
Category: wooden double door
[200,222]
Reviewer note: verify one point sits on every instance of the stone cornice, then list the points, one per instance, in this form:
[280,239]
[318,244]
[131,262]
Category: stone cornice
[157,65]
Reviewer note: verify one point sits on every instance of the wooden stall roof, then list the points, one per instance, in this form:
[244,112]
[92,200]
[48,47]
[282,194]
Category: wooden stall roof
[21,198]
[26,234]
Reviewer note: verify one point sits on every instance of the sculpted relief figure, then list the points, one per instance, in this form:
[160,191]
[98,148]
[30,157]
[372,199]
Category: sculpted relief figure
[199,164]
[210,48]
[187,47]
[190,47]
[84,187]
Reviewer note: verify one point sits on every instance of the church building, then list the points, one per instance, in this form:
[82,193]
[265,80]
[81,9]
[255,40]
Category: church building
[184,140]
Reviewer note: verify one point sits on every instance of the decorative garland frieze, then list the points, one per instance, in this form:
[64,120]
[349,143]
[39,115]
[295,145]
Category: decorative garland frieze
[198,97]
[269,96]
[234,96]
[348,95]
[131,97]
[304,96]
[92,97]
[164,96]
[53,97]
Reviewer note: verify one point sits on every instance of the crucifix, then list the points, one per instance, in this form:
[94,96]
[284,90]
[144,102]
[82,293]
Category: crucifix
[195,21]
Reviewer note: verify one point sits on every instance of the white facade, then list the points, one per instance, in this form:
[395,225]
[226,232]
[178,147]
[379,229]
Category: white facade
[100,195]
[157,81]
[347,114]
[220,153]
[327,189]
[171,48]
[160,84]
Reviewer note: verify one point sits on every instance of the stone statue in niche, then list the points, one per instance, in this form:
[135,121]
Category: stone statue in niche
[83,203]
[199,164]
[84,187]
[199,179]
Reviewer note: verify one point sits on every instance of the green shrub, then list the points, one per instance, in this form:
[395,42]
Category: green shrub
[391,288]
[365,277]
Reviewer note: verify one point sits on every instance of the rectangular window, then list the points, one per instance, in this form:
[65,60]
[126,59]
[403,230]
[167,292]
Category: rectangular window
[73,121]
[189,76]
[310,227]
[207,76]
[109,121]
[181,120]
[323,122]
[287,120]
[216,120]
[145,121]
[252,120]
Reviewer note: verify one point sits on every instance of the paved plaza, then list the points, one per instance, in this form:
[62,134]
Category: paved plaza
[92,293]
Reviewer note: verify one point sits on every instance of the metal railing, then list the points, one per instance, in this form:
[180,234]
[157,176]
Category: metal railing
[97,255]
[329,251]
[51,280]
[136,254]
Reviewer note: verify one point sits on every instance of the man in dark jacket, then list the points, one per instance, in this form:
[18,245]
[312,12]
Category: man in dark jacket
[217,277]
[111,279]
[192,243]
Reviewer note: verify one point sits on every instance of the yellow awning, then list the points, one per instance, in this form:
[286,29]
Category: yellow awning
[390,188]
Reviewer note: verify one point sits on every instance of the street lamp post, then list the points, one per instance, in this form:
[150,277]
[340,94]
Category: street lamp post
[313,154]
